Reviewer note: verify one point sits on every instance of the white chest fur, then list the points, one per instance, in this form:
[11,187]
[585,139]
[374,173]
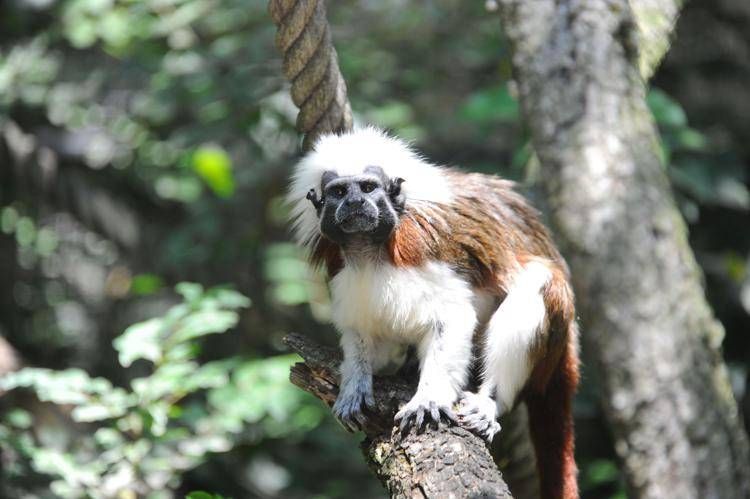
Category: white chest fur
[399,303]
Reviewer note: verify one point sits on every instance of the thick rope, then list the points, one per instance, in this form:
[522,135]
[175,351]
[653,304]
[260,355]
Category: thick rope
[311,65]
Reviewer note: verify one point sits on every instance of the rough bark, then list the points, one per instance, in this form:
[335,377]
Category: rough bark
[655,20]
[445,462]
[647,324]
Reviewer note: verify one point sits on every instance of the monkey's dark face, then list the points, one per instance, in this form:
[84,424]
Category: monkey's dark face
[365,206]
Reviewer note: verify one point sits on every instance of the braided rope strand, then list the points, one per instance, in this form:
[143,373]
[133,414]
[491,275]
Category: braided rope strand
[311,65]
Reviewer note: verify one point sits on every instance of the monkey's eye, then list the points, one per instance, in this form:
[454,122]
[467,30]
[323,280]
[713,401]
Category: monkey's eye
[367,187]
[338,190]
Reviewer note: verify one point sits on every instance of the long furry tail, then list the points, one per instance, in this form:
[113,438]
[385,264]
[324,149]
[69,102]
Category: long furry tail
[551,428]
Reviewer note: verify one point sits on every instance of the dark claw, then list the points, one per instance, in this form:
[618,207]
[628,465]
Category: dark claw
[403,424]
[419,418]
[351,413]
[361,419]
[345,423]
[434,412]
[449,416]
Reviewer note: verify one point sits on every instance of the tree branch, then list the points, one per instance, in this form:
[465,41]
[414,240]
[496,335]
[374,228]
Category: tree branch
[445,462]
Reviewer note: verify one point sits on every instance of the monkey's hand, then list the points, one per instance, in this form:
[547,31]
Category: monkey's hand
[355,395]
[478,413]
[421,408]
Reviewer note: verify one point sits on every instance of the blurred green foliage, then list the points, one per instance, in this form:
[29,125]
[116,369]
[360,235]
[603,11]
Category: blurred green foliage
[697,168]
[143,437]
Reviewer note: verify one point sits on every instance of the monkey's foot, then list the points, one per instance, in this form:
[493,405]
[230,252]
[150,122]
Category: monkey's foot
[419,409]
[350,404]
[479,413]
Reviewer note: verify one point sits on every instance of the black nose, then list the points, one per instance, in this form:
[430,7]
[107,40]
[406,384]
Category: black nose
[355,201]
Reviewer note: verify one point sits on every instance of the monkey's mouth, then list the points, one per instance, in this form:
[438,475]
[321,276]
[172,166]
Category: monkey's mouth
[358,222]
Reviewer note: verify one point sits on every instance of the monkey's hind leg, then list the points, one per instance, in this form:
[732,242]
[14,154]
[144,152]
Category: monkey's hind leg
[512,331]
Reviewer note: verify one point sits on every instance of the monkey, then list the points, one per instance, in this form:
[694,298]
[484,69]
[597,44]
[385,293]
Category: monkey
[440,259]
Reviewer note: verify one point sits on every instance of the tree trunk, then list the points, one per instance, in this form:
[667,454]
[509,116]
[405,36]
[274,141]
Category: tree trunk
[646,320]
[445,462]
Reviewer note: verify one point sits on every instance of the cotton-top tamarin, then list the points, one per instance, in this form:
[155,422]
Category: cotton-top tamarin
[436,258]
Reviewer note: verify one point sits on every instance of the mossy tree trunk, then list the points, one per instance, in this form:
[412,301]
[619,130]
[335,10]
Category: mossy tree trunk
[647,324]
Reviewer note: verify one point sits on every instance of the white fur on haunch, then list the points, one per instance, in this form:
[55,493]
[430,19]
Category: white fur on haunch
[513,328]
[349,154]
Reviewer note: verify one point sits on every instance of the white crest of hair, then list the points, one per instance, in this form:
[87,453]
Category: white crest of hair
[512,329]
[349,154]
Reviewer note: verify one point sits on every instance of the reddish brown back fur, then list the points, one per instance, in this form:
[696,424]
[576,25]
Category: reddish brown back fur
[560,307]
[550,391]
[484,233]
[409,245]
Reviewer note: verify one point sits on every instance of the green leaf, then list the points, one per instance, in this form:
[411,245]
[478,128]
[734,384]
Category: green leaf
[392,114]
[199,494]
[19,418]
[692,139]
[25,231]
[205,322]
[53,462]
[210,375]
[108,437]
[181,188]
[290,293]
[82,34]
[230,298]
[167,379]
[282,269]
[115,28]
[93,412]
[8,219]
[735,266]
[602,471]
[191,291]
[72,386]
[146,284]
[666,110]
[140,341]
[493,105]
[214,166]
[46,242]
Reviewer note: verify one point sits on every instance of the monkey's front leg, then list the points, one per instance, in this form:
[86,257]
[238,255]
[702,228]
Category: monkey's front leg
[445,354]
[355,391]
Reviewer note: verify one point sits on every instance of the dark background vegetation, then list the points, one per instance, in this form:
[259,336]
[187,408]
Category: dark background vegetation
[147,143]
